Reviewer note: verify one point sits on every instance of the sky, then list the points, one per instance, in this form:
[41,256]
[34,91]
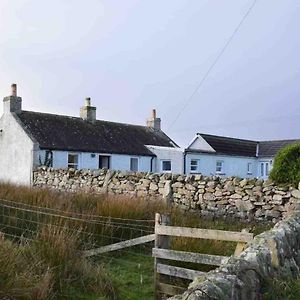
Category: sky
[130,56]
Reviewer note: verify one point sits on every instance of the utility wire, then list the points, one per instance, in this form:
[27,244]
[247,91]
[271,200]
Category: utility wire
[187,102]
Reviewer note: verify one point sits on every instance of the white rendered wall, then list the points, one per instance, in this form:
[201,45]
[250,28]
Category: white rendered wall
[233,165]
[87,161]
[17,152]
[199,143]
[167,153]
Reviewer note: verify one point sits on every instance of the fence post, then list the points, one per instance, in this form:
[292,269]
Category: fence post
[240,247]
[161,241]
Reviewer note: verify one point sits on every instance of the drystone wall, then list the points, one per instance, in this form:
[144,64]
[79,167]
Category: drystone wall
[215,197]
[274,254]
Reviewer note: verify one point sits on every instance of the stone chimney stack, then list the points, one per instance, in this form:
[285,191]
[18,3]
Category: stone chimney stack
[88,112]
[12,103]
[153,121]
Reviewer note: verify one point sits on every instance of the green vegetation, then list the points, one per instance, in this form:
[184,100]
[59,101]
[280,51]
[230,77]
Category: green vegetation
[286,168]
[55,227]
[134,276]
[282,290]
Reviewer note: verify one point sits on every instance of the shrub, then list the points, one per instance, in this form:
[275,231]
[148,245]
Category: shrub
[286,168]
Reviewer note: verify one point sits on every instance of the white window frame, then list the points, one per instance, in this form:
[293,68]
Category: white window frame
[73,165]
[138,163]
[196,165]
[221,171]
[162,163]
[249,168]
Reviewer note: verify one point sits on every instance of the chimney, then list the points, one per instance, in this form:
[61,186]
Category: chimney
[88,112]
[153,121]
[12,103]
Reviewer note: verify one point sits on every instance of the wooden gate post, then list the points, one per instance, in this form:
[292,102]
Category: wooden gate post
[163,242]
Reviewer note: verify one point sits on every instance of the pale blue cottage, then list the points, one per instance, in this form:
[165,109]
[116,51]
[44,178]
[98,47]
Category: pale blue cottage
[224,156]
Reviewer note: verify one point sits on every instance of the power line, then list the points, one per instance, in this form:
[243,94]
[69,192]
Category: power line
[213,64]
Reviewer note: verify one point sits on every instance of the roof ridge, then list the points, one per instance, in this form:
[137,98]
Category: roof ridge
[247,140]
[228,137]
[73,117]
[286,140]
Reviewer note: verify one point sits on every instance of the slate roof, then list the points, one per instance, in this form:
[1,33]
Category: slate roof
[240,147]
[56,132]
[270,148]
[231,146]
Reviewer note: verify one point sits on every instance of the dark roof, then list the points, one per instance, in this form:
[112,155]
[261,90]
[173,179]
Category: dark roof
[56,132]
[270,148]
[231,146]
[240,147]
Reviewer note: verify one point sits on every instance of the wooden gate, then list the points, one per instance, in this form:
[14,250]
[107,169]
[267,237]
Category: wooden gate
[162,253]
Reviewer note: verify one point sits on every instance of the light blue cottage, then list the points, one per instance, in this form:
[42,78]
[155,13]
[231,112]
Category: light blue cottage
[224,156]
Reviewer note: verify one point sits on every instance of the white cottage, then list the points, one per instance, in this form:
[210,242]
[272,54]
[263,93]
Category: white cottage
[224,156]
[29,139]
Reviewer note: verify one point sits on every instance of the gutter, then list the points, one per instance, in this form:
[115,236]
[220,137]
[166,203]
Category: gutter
[184,162]
[151,164]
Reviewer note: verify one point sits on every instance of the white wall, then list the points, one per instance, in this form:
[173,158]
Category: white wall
[17,152]
[86,161]
[233,165]
[199,143]
[167,153]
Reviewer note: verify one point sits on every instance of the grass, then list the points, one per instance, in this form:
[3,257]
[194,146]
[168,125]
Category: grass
[49,268]
[282,290]
[134,277]
[84,221]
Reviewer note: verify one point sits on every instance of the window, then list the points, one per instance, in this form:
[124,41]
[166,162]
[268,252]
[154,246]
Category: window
[166,165]
[261,169]
[264,169]
[267,169]
[220,167]
[134,164]
[49,158]
[249,168]
[194,165]
[73,161]
[104,161]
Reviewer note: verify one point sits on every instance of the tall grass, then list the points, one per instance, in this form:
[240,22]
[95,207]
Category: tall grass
[48,267]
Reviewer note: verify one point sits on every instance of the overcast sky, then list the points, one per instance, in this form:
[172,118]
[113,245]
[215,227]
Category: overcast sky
[131,56]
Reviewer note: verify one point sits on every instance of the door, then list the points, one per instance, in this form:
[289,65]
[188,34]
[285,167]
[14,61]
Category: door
[104,161]
[264,169]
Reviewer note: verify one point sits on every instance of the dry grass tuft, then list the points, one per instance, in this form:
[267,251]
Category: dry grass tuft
[48,268]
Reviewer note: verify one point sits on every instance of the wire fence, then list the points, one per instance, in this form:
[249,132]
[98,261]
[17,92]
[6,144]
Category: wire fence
[23,222]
